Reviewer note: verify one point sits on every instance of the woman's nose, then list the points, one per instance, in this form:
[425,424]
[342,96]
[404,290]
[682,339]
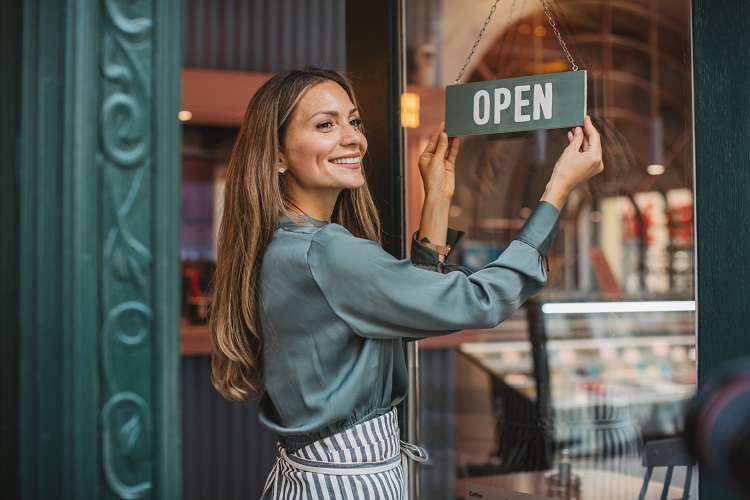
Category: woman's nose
[351,136]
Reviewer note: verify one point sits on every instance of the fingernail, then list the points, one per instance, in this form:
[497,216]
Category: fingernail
[578,130]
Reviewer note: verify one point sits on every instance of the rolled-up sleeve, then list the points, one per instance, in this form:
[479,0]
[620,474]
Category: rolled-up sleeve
[379,296]
[428,258]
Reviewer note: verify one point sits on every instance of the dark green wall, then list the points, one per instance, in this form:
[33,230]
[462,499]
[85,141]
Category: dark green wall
[721,42]
[9,120]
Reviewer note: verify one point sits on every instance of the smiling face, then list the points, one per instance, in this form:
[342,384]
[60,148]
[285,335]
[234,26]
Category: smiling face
[322,150]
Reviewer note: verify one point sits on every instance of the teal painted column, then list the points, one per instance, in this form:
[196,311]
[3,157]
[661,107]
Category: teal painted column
[721,43]
[98,249]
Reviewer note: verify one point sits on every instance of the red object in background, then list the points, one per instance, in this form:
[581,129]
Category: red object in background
[195,287]
[681,224]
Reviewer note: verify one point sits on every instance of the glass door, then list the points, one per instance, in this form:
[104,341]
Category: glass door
[561,400]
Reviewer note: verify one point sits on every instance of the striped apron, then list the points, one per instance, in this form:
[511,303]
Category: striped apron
[362,462]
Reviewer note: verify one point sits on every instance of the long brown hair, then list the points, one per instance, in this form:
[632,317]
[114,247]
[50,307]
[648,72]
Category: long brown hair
[254,199]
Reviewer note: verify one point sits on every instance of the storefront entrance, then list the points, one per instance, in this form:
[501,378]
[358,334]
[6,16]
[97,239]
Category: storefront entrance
[90,215]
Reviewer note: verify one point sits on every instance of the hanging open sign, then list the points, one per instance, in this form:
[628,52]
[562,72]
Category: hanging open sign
[554,100]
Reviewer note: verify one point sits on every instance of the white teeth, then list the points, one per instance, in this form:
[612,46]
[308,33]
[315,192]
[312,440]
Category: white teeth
[346,160]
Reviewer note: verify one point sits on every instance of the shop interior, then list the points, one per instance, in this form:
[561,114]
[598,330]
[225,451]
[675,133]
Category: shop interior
[603,360]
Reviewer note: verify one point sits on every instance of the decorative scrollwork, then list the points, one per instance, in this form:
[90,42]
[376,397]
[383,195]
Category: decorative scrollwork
[137,28]
[126,443]
[123,130]
[128,323]
[126,158]
[128,259]
[128,326]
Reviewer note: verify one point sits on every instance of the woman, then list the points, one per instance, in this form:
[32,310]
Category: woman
[309,311]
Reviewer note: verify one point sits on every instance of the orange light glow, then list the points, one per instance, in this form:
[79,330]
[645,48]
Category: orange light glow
[409,110]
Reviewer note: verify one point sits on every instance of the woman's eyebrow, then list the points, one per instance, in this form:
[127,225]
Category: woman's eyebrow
[332,113]
[329,113]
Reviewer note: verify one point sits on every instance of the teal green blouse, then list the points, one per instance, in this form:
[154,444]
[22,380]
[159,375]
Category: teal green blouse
[335,309]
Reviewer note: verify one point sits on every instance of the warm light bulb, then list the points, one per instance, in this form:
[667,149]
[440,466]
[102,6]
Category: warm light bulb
[409,110]
[655,169]
[184,115]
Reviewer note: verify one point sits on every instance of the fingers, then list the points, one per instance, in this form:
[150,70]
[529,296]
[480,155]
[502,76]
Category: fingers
[453,151]
[591,138]
[577,140]
[442,146]
[433,143]
[591,133]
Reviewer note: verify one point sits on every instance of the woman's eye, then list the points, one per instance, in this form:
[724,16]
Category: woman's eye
[326,124]
[355,122]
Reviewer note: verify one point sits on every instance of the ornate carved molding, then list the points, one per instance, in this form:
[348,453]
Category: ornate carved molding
[125,161]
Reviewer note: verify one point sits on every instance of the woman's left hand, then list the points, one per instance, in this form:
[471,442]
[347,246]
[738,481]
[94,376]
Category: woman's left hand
[437,164]
[580,161]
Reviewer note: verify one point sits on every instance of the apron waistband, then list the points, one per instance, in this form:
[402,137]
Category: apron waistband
[339,469]
[408,452]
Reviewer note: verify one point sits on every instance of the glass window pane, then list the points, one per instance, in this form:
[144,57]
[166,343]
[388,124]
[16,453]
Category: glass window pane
[603,359]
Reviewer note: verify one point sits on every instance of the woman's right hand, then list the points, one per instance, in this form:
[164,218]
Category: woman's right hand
[437,165]
[580,161]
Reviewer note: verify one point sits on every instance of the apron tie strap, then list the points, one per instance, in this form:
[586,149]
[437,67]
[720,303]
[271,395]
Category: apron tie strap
[410,452]
[414,452]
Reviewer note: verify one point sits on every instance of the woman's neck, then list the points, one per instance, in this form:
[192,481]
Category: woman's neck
[316,207]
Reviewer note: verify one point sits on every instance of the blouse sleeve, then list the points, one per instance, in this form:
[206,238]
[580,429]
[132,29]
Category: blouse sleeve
[424,257]
[379,296]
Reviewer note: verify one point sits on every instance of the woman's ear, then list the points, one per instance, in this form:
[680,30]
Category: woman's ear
[282,167]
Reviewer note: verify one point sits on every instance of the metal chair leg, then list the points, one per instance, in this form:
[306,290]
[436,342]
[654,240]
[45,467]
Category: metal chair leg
[688,482]
[646,479]
[667,480]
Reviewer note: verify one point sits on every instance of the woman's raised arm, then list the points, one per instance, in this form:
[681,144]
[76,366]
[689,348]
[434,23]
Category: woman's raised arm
[437,168]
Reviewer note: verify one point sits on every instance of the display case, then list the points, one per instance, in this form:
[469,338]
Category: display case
[591,380]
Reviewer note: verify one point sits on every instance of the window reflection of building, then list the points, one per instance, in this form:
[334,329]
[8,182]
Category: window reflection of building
[639,90]
[626,235]
[635,53]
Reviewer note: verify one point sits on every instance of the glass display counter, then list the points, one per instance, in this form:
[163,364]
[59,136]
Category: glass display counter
[592,385]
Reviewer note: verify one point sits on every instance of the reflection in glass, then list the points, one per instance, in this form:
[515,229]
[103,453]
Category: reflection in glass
[564,377]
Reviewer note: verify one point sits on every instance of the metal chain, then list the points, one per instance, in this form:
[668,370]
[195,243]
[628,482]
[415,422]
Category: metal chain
[557,34]
[474,48]
[569,34]
[513,37]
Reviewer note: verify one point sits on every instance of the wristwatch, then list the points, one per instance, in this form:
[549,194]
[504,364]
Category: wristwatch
[440,249]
